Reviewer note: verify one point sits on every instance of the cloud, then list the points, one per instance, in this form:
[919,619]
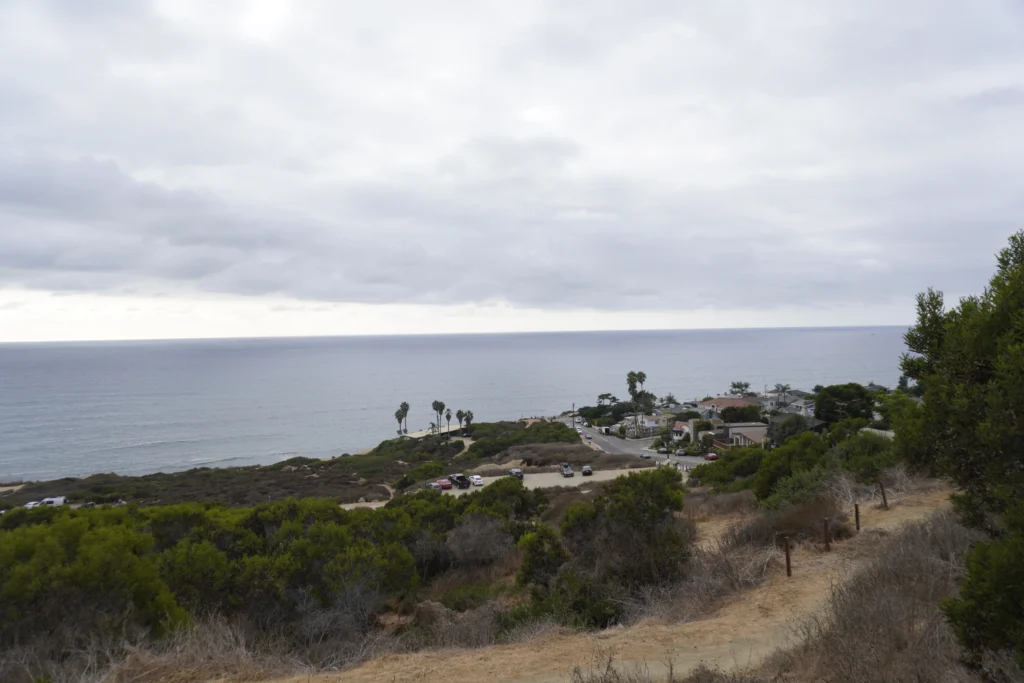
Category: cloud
[619,157]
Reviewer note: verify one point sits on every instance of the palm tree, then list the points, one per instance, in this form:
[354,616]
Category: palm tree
[433,428]
[399,417]
[438,409]
[440,415]
[405,415]
[460,415]
[780,391]
[448,418]
[469,418]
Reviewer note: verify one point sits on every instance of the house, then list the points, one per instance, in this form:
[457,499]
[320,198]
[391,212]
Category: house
[679,429]
[874,388]
[746,433]
[800,406]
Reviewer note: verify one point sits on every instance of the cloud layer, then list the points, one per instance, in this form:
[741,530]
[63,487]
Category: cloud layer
[639,156]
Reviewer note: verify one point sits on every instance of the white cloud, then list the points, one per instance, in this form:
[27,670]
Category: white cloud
[584,163]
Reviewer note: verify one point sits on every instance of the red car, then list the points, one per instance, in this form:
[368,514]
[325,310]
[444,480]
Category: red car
[711,456]
[445,483]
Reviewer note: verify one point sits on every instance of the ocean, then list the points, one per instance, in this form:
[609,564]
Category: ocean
[73,409]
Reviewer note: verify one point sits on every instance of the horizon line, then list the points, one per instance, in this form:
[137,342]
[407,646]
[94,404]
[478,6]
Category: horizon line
[439,334]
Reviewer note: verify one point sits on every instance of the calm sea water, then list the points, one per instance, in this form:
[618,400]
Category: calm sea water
[139,407]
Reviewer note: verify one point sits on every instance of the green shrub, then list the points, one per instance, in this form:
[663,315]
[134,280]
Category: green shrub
[543,556]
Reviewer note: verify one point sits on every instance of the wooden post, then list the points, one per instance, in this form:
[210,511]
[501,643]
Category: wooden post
[789,567]
[885,501]
[856,513]
[828,546]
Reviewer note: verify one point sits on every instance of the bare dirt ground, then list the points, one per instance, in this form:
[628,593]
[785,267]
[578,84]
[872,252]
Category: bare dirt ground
[543,480]
[740,634]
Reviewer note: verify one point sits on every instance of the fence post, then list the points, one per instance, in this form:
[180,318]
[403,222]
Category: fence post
[828,546]
[789,567]
[856,513]
[885,501]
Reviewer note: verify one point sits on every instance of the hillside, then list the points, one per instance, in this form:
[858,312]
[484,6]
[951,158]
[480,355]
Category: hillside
[744,631]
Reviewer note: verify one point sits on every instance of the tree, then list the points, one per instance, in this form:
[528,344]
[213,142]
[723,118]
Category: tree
[970,363]
[741,413]
[460,415]
[669,399]
[448,419]
[399,416]
[779,431]
[469,418]
[543,556]
[739,389]
[438,407]
[405,415]
[781,391]
[842,401]
[604,398]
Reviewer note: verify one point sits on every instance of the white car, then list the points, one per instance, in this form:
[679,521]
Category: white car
[476,480]
[34,503]
[55,501]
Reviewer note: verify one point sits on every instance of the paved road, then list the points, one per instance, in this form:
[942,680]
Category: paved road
[637,447]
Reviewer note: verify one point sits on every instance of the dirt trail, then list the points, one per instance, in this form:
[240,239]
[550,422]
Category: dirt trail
[741,633]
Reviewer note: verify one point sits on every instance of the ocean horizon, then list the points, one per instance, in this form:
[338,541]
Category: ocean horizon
[73,408]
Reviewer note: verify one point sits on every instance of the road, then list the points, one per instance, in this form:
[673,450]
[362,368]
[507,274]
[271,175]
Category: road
[637,447]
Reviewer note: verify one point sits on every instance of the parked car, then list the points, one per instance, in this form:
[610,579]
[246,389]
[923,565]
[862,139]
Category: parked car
[590,436]
[434,485]
[445,484]
[663,451]
[34,503]
[90,504]
[711,456]
[586,471]
[680,451]
[55,501]
[515,472]
[460,481]
[645,455]
[476,480]
[566,470]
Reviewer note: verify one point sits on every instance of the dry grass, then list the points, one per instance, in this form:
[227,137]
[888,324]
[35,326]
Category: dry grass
[884,624]
[800,522]
[712,575]
[703,505]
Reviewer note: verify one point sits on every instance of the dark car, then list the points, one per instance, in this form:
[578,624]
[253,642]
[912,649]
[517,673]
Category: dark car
[711,456]
[586,471]
[515,472]
[566,470]
[460,481]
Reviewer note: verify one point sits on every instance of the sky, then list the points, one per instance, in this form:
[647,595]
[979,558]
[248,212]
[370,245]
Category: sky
[185,168]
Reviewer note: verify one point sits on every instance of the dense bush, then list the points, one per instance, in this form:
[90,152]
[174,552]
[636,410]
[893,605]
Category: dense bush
[127,570]
[490,439]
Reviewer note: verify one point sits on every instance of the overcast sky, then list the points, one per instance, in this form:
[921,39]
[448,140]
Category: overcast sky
[186,168]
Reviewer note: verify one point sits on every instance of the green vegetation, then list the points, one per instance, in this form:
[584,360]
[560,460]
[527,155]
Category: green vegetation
[844,401]
[100,571]
[401,462]
[490,439]
[626,539]
[793,472]
[970,363]
[741,414]
[307,574]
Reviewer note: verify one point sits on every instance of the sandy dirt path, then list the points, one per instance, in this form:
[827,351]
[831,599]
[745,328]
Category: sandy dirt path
[741,633]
